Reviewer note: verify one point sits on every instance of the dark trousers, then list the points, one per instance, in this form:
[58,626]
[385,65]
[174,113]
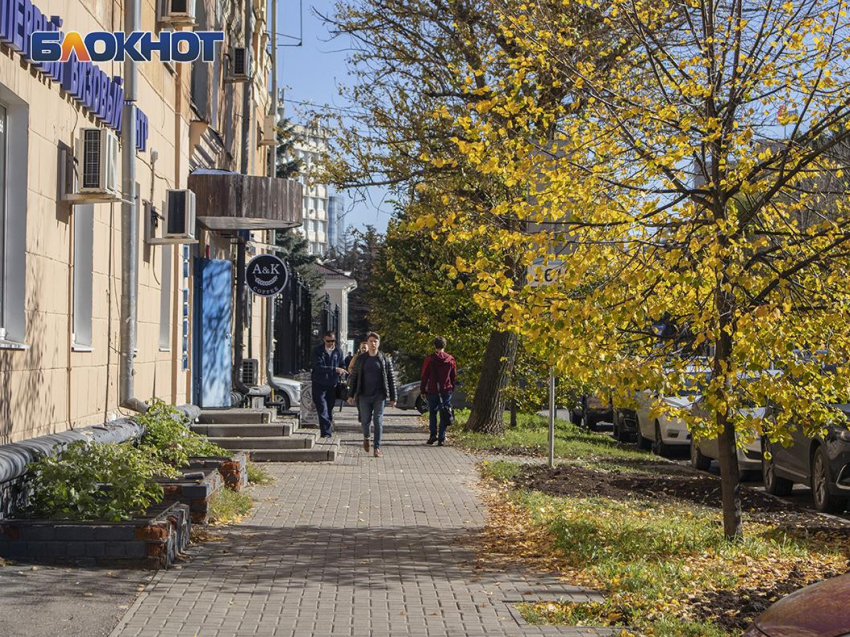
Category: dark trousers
[436,404]
[324,398]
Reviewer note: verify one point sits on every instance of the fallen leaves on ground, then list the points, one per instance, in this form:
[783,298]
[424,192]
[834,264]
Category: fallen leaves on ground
[653,545]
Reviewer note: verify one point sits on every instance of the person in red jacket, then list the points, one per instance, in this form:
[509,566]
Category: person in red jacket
[439,375]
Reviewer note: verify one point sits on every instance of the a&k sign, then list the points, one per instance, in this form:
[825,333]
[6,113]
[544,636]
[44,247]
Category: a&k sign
[266,275]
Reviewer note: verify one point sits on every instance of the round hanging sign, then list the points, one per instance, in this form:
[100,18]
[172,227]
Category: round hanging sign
[266,275]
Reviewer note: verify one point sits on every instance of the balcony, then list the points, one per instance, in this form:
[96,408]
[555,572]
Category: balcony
[228,201]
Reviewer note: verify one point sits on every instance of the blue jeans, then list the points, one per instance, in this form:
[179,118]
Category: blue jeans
[324,398]
[435,404]
[372,409]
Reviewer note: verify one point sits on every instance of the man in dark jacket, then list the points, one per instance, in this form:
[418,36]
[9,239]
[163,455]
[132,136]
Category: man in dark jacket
[327,368]
[439,375]
[372,382]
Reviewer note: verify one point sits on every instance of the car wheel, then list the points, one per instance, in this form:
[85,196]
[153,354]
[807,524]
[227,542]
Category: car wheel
[698,460]
[285,403]
[773,484]
[824,500]
[618,432]
[659,447]
[421,406]
[589,422]
[643,443]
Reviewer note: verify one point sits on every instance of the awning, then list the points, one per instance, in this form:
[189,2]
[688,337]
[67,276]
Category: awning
[232,201]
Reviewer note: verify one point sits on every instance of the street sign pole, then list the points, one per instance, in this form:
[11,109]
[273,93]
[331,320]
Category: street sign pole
[552,417]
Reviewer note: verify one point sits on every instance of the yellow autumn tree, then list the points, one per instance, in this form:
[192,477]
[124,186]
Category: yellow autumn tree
[690,189]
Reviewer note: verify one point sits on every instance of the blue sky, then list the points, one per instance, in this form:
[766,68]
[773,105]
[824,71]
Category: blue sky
[312,74]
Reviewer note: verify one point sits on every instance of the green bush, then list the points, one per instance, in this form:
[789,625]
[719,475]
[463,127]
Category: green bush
[95,481]
[168,438]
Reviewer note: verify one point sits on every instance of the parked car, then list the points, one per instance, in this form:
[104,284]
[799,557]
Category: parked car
[662,433]
[625,424]
[591,410]
[749,458]
[822,462]
[819,610]
[409,398]
[291,395]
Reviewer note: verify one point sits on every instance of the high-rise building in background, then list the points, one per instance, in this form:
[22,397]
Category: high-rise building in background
[311,145]
[336,220]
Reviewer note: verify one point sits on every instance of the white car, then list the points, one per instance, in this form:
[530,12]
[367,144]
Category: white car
[291,395]
[662,433]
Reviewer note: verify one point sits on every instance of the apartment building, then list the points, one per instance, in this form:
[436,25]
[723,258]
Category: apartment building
[99,309]
[311,147]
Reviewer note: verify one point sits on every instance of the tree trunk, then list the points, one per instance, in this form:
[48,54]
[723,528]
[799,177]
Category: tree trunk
[488,407]
[730,479]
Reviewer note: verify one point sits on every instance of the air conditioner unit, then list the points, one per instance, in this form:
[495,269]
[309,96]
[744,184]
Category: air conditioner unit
[239,65]
[178,12]
[250,372]
[179,215]
[269,136]
[97,165]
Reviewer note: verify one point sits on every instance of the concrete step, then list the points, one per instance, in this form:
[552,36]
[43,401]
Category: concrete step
[234,416]
[322,453]
[264,443]
[273,429]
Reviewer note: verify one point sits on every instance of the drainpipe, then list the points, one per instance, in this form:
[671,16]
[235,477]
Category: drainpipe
[129,223]
[273,174]
[241,297]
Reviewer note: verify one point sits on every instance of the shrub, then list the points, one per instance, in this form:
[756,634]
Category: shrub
[168,438]
[95,481]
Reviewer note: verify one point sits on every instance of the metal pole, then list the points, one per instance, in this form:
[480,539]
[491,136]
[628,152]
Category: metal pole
[551,417]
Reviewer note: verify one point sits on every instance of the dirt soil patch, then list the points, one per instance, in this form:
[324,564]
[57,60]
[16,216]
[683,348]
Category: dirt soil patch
[695,488]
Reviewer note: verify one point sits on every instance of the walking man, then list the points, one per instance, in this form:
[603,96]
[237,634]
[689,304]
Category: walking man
[439,375]
[372,383]
[327,368]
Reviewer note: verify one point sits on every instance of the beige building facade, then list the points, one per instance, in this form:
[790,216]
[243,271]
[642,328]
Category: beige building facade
[61,264]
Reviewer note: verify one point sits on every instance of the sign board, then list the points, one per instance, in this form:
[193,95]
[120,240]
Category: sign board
[309,415]
[542,273]
[266,275]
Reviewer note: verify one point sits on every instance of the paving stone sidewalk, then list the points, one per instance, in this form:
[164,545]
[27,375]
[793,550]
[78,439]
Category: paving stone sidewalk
[361,547]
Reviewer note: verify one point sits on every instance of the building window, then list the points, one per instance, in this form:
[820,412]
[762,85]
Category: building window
[165,300]
[14,126]
[3,145]
[83,251]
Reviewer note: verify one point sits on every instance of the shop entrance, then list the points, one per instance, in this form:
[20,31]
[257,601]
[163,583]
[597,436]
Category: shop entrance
[212,332]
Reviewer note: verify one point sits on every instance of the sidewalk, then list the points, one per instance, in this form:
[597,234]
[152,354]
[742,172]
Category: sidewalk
[364,546]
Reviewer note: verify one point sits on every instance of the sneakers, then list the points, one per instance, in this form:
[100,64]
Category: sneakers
[440,443]
[378,453]
[366,445]
[431,440]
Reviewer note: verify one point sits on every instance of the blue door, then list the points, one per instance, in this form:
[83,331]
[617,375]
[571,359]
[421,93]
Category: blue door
[213,285]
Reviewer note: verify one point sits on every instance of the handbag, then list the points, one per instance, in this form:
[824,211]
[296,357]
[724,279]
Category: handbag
[446,409]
